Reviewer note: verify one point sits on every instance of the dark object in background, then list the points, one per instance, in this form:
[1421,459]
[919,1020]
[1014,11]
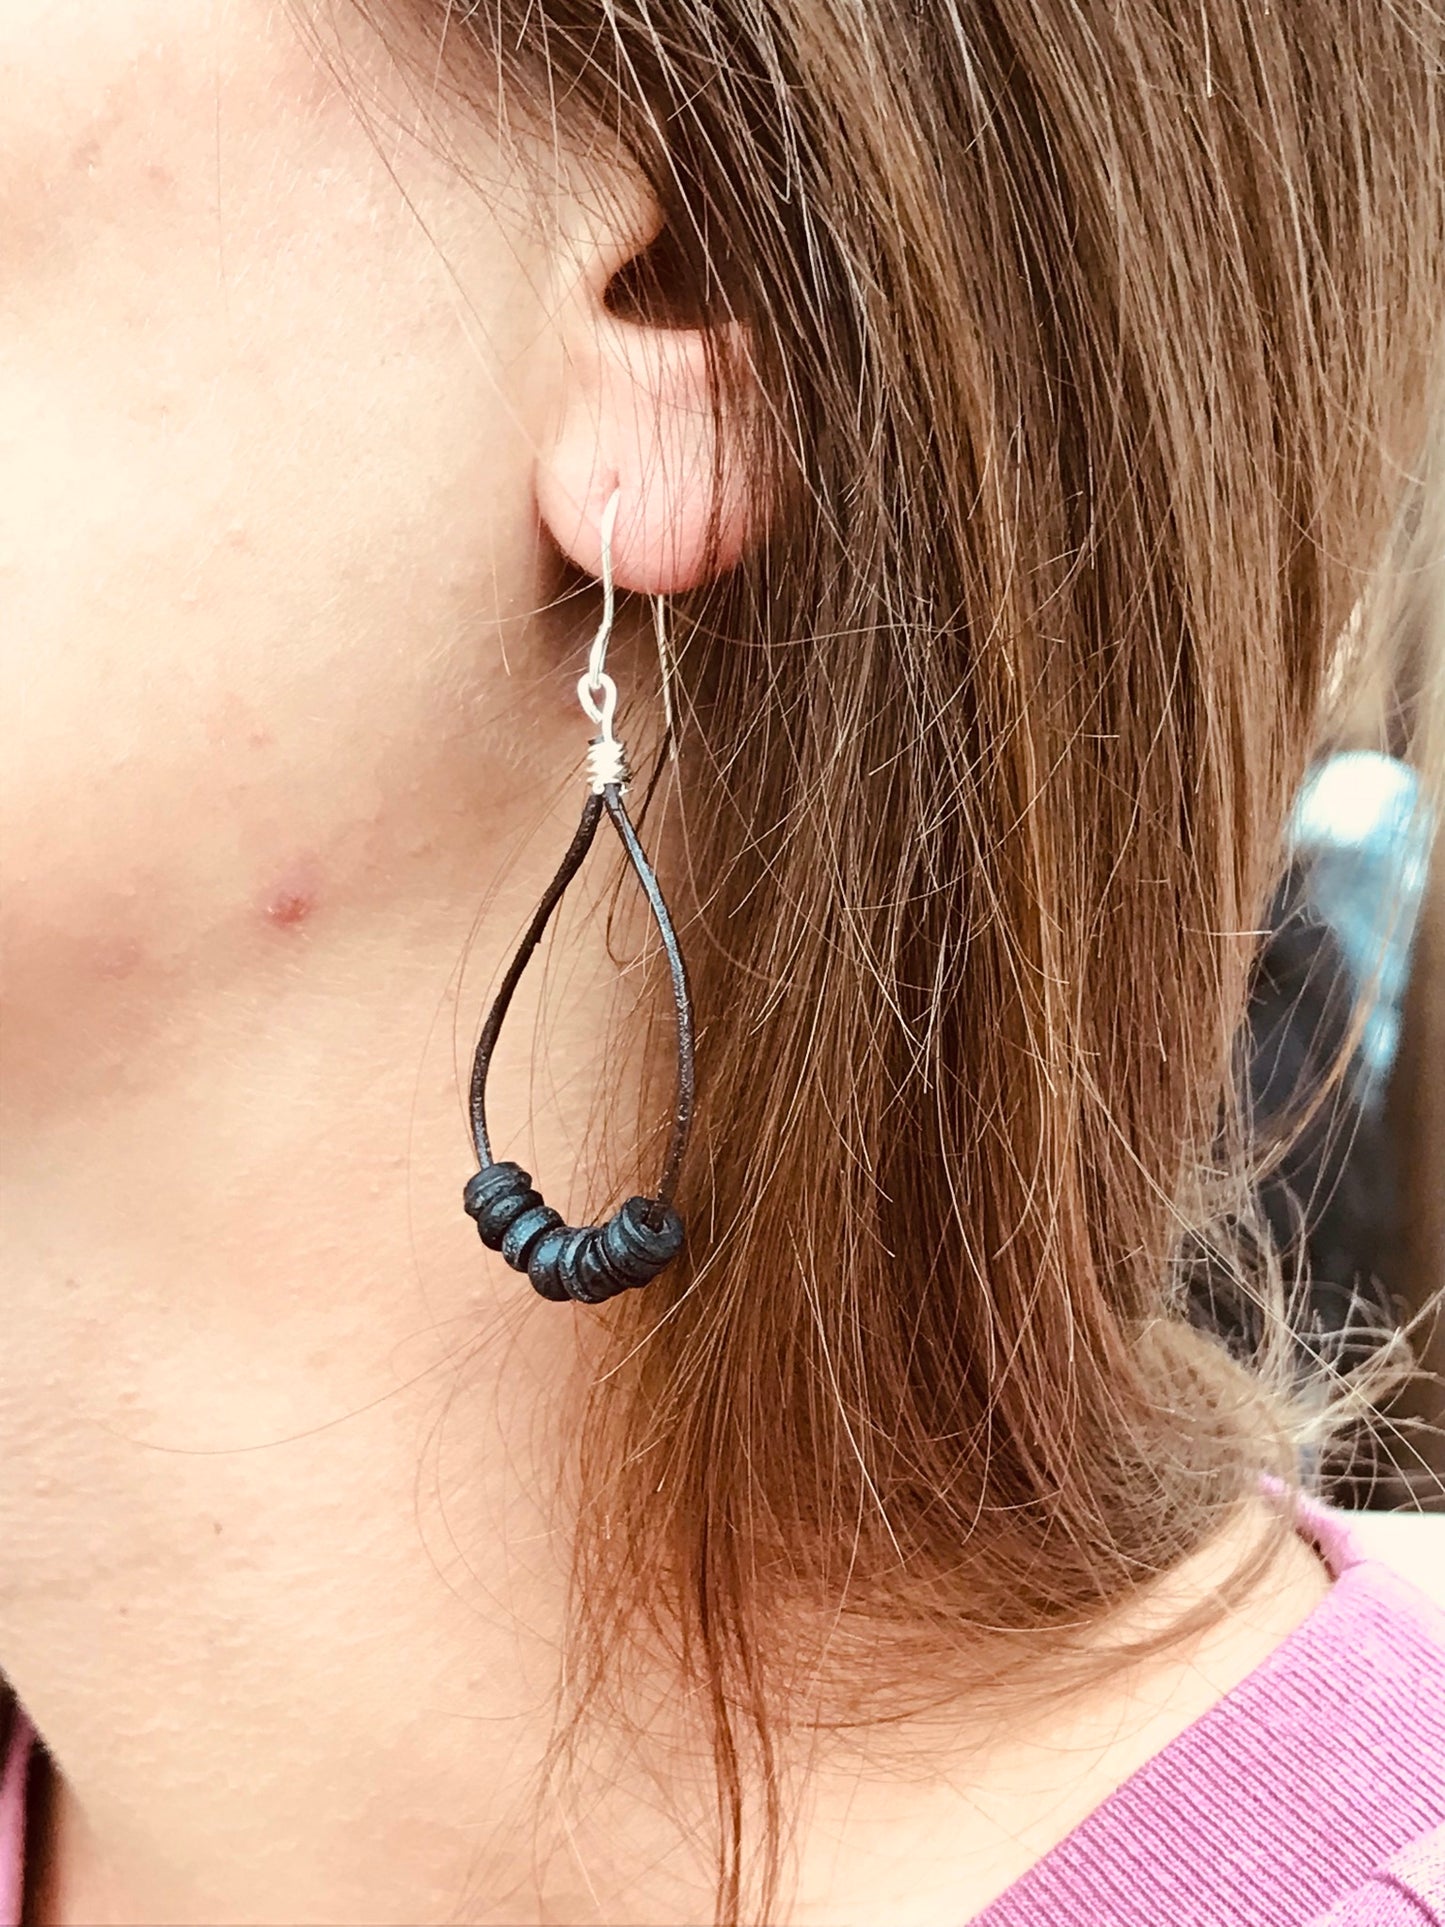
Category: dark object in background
[1334,1199]
[1331,1199]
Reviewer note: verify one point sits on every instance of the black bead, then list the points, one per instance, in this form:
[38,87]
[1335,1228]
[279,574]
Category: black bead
[637,1250]
[495,1197]
[577,1266]
[595,1276]
[542,1263]
[525,1229]
[491,1181]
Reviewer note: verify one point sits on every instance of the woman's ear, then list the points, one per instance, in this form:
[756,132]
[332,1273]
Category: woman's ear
[634,414]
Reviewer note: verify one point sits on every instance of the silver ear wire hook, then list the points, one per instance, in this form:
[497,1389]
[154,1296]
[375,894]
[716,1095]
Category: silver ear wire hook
[659,623]
[606,758]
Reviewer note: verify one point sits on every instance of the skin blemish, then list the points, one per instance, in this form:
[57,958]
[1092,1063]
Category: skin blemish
[292,896]
[118,957]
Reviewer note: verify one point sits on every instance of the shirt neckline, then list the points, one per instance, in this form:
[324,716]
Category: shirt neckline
[1317,1766]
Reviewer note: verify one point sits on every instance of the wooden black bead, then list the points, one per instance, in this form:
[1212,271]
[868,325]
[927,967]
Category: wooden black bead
[595,1276]
[491,1181]
[495,1197]
[636,1250]
[524,1231]
[542,1263]
[567,1262]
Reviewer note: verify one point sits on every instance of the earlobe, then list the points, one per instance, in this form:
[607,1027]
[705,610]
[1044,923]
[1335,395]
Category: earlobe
[636,416]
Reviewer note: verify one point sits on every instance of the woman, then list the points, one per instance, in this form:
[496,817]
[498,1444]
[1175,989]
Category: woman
[995,418]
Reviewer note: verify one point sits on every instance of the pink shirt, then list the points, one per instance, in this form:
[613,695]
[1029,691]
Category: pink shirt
[1312,1795]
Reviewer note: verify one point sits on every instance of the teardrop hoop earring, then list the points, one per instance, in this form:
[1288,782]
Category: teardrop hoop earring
[587,1263]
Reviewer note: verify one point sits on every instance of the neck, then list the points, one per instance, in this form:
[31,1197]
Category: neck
[437,1818]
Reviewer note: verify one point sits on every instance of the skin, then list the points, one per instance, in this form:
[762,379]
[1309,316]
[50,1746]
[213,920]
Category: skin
[297,426]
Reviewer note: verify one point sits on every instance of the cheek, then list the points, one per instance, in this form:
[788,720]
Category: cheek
[265,513]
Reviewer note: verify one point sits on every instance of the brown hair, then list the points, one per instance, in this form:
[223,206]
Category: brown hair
[1094,345]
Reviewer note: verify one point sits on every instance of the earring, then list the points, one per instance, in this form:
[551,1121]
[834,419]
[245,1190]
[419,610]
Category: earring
[589,1263]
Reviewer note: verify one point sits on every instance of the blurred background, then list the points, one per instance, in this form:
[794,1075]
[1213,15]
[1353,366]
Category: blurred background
[1344,1061]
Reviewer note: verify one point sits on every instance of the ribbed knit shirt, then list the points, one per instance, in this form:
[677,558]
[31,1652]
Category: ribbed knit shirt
[1311,1795]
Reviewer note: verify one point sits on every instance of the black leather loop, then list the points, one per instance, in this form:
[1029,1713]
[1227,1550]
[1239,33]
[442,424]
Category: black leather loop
[587,1263]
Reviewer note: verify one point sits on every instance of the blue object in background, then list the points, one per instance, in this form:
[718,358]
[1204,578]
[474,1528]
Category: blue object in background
[1361,832]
